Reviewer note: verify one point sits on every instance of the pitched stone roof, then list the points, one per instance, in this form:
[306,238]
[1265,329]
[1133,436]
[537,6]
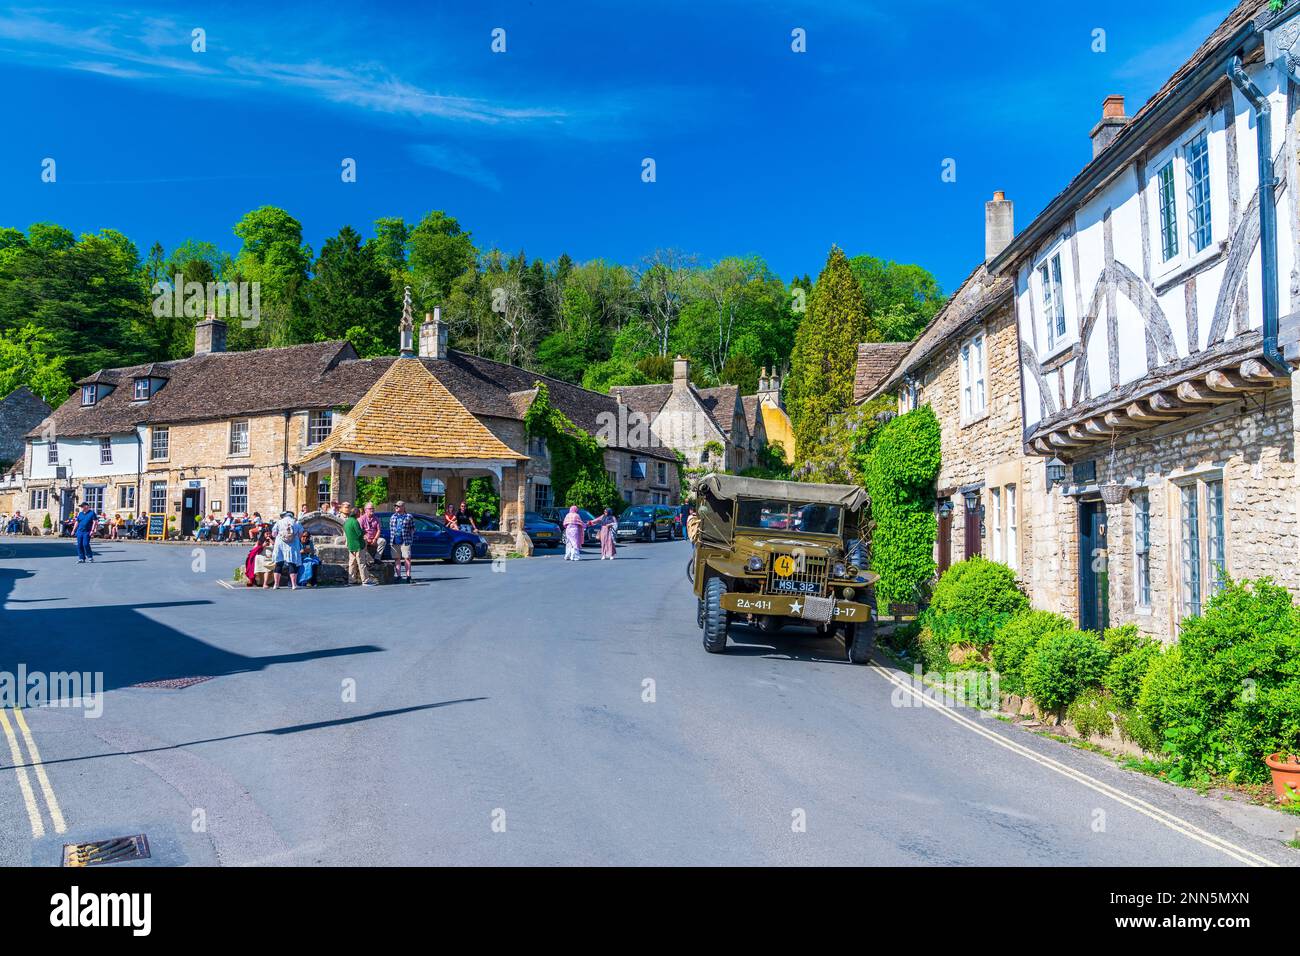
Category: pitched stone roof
[875,361]
[720,403]
[408,413]
[975,298]
[750,403]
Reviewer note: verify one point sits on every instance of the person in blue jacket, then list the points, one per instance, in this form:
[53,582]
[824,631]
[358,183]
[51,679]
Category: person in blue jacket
[84,527]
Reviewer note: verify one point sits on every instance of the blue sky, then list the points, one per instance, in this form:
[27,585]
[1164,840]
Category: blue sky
[758,149]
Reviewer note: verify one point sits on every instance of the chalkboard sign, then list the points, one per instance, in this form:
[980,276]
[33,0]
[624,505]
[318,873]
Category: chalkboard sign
[157,527]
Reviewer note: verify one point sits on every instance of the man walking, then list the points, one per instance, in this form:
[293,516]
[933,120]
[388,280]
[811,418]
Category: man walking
[84,527]
[358,557]
[401,532]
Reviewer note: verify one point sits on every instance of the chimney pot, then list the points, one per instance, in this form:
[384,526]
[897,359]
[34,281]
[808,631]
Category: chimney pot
[210,335]
[999,224]
[433,335]
[1113,120]
[681,371]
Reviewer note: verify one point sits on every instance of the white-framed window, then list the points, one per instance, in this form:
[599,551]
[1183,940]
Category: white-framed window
[974,387]
[433,491]
[141,390]
[319,425]
[126,497]
[1051,293]
[1142,549]
[238,495]
[1203,545]
[996,495]
[323,489]
[1181,192]
[541,495]
[52,452]
[157,497]
[88,395]
[239,437]
[106,451]
[93,495]
[40,497]
[1013,529]
[159,443]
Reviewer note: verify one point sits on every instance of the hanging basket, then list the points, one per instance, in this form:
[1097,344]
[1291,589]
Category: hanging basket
[1114,493]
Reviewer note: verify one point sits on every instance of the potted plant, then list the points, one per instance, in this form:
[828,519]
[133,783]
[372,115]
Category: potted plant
[1285,768]
[47,526]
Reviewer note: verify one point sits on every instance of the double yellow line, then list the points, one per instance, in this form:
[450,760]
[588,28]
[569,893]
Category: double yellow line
[1158,814]
[24,782]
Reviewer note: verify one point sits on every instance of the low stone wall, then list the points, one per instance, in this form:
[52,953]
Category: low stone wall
[1025,707]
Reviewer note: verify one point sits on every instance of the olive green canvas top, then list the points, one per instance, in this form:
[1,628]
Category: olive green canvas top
[851,497]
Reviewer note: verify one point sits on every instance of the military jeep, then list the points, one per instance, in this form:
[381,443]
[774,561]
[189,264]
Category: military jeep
[771,553]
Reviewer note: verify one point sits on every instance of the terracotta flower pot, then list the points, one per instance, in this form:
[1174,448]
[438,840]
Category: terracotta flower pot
[1286,774]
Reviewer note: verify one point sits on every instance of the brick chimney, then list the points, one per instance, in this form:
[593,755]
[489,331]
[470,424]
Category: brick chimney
[210,335]
[999,224]
[433,335]
[1112,121]
[681,372]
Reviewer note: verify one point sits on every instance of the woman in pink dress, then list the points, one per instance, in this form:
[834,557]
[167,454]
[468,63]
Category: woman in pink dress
[608,525]
[573,528]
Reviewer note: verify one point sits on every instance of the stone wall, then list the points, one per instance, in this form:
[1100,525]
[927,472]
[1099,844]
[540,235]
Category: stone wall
[987,451]
[1250,445]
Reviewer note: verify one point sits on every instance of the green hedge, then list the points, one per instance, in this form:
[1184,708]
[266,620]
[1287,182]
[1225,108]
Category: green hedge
[1062,665]
[1014,641]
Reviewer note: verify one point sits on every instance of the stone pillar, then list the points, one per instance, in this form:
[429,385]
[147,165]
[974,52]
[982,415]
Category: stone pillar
[513,485]
[455,490]
[343,480]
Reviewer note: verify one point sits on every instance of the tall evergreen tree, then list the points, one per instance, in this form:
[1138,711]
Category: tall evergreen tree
[825,352]
[352,296]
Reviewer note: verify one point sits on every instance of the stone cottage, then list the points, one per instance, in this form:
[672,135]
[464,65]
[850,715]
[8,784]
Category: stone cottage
[1149,299]
[707,425]
[963,365]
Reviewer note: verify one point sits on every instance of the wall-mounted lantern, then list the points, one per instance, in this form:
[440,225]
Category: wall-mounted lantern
[1055,472]
[945,508]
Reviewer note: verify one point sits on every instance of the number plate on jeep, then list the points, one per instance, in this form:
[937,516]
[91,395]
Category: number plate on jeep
[796,587]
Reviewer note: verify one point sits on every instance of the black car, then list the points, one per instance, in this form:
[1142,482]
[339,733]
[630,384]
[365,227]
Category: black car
[434,540]
[543,533]
[645,523]
[556,515]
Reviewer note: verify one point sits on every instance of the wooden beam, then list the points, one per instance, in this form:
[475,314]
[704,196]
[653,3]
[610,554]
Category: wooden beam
[1119,419]
[1167,402]
[1199,393]
[1141,412]
[1098,427]
[1080,434]
[1253,370]
[1223,380]
[1043,447]
[1063,441]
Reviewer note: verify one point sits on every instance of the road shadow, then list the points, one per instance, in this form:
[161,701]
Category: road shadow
[124,643]
[792,644]
[273,732]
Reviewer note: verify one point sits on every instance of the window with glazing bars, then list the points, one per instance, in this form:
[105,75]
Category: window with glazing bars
[1197,157]
[1168,212]
[1142,547]
[1214,536]
[1191,551]
[1049,274]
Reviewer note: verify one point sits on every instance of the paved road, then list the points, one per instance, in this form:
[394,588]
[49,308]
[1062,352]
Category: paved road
[505,718]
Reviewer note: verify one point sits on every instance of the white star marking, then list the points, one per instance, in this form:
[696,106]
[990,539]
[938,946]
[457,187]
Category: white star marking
[796,607]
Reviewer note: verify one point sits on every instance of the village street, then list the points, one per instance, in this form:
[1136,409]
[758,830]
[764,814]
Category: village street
[552,714]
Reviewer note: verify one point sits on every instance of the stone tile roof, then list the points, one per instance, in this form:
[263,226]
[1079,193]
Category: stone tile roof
[720,403]
[875,361]
[975,298]
[20,411]
[750,403]
[408,413]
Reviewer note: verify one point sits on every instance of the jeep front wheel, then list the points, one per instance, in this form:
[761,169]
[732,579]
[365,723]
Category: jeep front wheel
[860,640]
[716,618]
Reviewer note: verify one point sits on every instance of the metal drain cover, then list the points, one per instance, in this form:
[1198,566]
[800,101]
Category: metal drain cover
[116,850]
[172,683]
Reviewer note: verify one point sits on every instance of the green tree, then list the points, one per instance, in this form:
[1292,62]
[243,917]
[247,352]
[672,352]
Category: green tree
[351,295]
[899,299]
[438,252]
[820,384]
[27,358]
[274,256]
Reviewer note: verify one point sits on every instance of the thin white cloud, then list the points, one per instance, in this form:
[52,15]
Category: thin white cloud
[456,162]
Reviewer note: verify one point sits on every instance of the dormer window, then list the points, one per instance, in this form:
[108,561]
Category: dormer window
[141,392]
[89,395]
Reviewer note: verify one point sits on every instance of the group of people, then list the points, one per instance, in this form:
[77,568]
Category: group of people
[231,528]
[14,523]
[575,529]
[281,550]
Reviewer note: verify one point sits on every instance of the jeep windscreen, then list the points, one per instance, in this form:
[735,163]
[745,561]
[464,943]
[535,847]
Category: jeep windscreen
[770,514]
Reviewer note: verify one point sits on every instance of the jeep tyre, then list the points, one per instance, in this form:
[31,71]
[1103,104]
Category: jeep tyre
[716,618]
[860,639]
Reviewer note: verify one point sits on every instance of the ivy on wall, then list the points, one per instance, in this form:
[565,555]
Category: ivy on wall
[578,475]
[899,470]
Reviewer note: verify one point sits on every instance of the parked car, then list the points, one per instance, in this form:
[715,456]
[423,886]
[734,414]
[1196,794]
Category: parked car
[645,523]
[556,515]
[543,533]
[435,541]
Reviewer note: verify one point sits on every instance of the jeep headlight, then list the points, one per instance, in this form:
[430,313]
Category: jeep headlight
[839,570]
[754,564]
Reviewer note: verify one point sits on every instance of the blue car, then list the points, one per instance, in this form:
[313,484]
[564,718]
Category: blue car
[544,534]
[435,541]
